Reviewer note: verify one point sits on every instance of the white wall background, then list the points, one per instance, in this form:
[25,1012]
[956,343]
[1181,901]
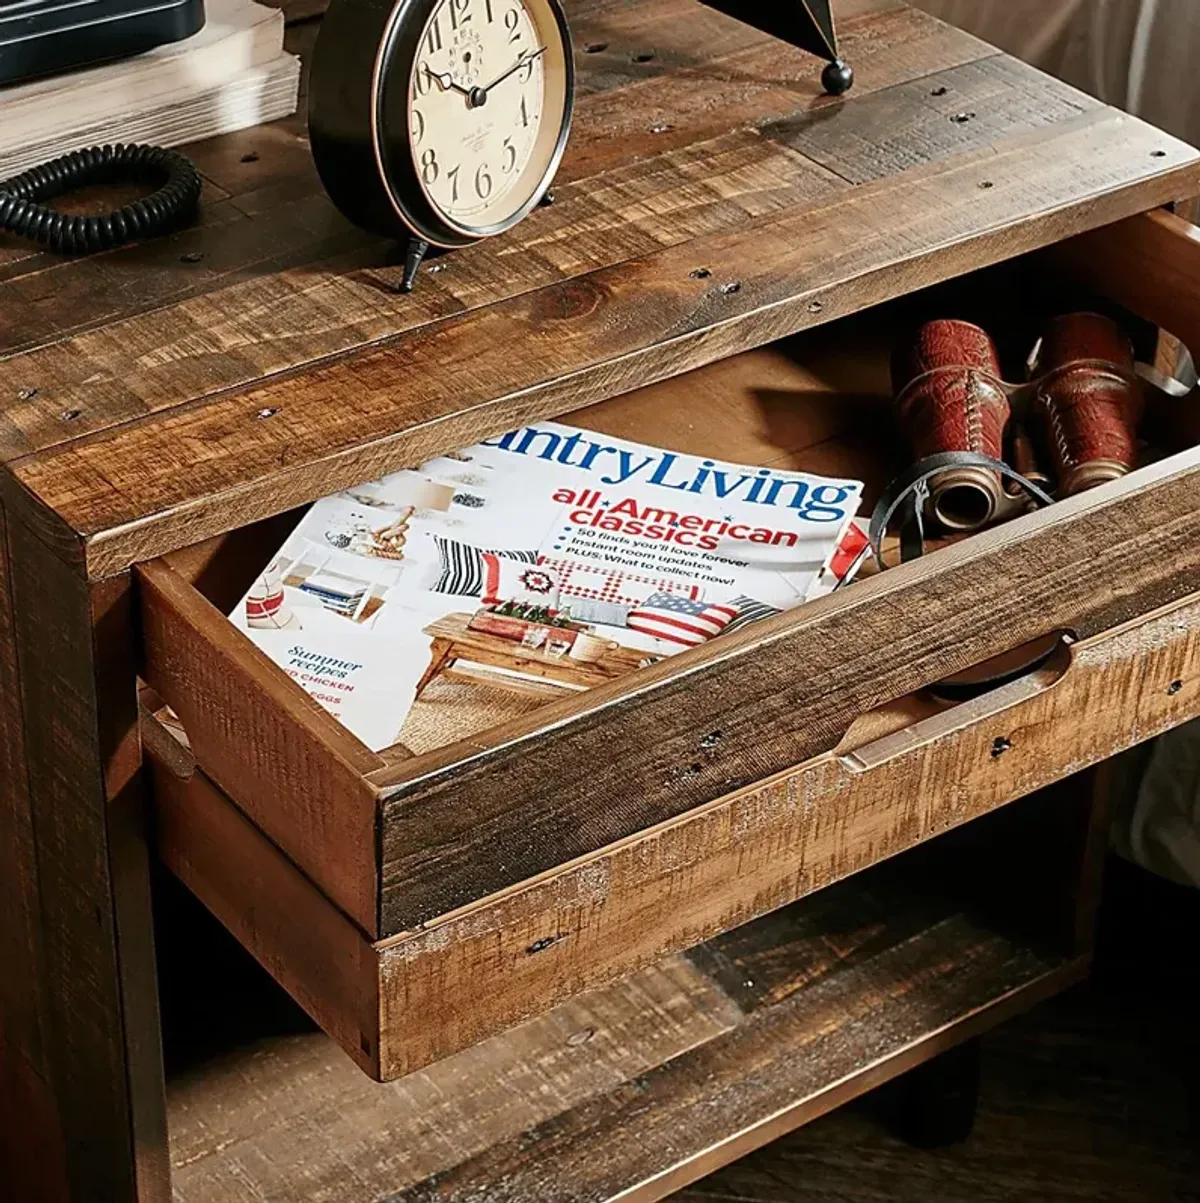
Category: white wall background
[1140,55]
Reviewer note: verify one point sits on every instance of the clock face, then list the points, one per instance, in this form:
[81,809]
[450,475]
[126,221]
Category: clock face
[487,107]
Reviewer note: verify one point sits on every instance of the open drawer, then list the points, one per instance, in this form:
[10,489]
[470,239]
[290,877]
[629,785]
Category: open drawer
[416,903]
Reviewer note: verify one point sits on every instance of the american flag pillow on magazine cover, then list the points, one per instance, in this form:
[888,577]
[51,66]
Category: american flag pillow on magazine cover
[680,619]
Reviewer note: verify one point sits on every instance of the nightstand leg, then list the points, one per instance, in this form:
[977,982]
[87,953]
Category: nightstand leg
[935,1103]
[81,1091]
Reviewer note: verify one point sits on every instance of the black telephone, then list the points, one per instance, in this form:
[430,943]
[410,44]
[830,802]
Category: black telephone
[43,37]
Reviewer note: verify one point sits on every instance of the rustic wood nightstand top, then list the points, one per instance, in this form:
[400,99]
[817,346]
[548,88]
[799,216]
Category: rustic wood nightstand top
[712,198]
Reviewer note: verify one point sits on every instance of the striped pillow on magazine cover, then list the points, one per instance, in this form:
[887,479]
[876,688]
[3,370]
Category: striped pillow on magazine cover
[680,619]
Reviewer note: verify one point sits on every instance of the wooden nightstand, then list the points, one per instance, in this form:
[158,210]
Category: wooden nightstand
[167,405]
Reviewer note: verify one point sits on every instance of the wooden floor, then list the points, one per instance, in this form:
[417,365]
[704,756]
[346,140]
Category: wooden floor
[1093,1096]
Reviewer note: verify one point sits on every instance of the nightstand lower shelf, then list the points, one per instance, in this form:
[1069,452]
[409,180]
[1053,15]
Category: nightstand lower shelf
[638,1089]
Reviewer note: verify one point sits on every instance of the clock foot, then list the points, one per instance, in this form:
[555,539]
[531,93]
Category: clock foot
[837,78]
[415,252]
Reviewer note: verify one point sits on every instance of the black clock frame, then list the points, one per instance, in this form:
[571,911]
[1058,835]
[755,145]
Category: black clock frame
[361,68]
[367,167]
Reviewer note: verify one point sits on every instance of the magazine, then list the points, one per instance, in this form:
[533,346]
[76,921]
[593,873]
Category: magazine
[547,560]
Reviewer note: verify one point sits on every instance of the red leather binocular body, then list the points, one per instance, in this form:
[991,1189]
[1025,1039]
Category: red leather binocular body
[1078,414]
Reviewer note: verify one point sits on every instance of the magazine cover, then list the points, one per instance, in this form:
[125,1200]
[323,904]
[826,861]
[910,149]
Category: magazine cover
[439,601]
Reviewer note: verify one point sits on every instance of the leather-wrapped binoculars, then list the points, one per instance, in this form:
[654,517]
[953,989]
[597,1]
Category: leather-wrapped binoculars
[1076,418]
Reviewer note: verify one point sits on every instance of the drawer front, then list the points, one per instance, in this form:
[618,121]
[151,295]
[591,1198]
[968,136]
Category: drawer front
[399,1003]
[398,841]
[292,768]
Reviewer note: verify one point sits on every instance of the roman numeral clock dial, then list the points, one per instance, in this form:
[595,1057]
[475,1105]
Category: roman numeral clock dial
[451,128]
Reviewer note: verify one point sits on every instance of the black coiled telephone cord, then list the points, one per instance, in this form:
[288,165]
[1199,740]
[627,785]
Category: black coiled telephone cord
[170,206]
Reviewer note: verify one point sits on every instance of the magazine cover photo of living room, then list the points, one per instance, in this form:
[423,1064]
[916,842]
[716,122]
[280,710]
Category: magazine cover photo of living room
[435,602]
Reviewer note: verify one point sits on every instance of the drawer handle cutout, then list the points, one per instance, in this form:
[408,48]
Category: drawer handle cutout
[986,692]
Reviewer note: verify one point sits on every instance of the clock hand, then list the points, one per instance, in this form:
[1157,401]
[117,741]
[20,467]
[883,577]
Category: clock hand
[479,95]
[446,81]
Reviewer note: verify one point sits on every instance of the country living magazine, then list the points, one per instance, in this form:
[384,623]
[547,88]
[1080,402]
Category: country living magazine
[541,562]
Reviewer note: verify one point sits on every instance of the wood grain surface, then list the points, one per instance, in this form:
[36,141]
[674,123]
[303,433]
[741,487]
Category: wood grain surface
[1150,264]
[32,1139]
[640,1087]
[81,1054]
[157,395]
[162,394]
[713,719]
[297,771]
[406,1001]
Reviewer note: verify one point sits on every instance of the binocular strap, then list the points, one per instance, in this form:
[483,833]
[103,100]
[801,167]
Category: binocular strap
[909,491]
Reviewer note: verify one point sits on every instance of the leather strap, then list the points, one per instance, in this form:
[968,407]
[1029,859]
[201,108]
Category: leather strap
[911,490]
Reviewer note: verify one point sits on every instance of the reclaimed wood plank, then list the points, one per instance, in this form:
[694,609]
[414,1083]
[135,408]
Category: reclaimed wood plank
[264,325]
[567,1092]
[299,772]
[827,1047]
[373,1138]
[1150,264]
[100,1022]
[329,967]
[766,81]
[403,1002]
[951,112]
[142,489]
[32,1145]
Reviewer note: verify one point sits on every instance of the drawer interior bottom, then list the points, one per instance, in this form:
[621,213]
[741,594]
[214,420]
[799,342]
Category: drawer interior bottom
[651,1082]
